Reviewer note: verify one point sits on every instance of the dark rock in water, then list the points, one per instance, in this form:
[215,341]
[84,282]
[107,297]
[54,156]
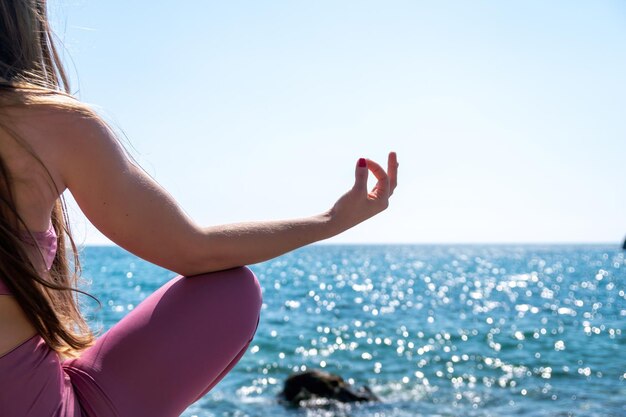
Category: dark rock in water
[624,245]
[315,384]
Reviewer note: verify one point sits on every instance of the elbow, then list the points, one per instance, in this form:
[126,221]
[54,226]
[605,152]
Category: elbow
[203,253]
[202,263]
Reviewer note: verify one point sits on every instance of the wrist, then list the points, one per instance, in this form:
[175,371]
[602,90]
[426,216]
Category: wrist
[333,225]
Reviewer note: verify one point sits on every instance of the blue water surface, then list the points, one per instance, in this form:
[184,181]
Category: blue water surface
[433,330]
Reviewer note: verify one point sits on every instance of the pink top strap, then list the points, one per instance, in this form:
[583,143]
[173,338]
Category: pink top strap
[41,244]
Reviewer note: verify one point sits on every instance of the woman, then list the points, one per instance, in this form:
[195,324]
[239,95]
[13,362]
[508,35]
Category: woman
[184,338]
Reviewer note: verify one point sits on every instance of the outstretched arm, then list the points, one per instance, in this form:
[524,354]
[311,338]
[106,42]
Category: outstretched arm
[135,212]
[245,243]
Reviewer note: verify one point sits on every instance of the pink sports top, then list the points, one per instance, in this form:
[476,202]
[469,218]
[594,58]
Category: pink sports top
[44,244]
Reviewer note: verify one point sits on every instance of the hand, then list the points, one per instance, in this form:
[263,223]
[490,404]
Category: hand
[358,204]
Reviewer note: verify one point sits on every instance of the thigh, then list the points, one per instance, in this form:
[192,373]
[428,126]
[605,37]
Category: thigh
[172,348]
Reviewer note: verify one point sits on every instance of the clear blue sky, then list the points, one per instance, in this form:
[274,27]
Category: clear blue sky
[509,118]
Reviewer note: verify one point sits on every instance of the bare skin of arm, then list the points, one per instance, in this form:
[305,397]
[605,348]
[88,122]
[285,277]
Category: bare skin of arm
[136,213]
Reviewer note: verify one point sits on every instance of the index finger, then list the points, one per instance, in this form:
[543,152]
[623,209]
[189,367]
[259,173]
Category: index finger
[379,173]
[377,170]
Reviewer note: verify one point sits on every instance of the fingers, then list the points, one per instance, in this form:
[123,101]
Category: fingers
[381,189]
[392,171]
[387,181]
[360,174]
[377,170]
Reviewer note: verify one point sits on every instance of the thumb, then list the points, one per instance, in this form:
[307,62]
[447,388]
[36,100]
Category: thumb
[360,174]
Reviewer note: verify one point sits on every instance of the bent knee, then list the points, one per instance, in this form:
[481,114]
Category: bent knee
[241,280]
[247,287]
[238,293]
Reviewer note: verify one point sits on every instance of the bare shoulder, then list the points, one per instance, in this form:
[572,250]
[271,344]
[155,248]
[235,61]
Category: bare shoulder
[65,135]
[53,123]
[59,122]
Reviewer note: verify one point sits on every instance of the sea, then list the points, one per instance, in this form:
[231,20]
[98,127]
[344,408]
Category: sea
[433,330]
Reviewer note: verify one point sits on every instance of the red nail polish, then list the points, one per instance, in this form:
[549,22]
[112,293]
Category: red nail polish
[362,163]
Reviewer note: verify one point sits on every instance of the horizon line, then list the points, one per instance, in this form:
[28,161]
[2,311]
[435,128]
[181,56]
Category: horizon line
[521,243]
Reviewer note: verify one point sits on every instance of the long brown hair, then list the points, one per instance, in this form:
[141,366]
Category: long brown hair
[31,74]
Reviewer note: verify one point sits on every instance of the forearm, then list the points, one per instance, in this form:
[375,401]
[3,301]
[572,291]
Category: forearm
[232,245]
[227,246]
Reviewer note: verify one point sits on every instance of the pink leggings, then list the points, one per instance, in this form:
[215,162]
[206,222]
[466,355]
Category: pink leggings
[164,355]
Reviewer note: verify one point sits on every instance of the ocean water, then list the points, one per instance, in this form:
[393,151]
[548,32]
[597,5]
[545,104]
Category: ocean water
[432,330]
